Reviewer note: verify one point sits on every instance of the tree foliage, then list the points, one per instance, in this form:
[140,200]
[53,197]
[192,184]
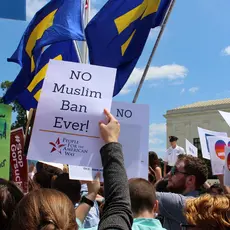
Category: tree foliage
[21,117]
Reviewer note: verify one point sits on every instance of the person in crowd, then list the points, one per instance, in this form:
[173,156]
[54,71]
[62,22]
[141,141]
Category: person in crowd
[73,189]
[43,179]
[185,178]
[216,189]
[44,209]
[117,212]
[155,172]
[45,174]
[41,167]
[171,154]
[208,212]
[93,217]
[144,205]
[10,195]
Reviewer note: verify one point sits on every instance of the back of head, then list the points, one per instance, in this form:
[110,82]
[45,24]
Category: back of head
[142,195]
[153,160]
[216,189]
[40,166]
[209,212]
[43,179]
[10,195]
[44,209]
[195,166]
[71,188]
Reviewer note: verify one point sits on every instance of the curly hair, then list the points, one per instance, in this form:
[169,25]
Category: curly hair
[209,212]
[195,166]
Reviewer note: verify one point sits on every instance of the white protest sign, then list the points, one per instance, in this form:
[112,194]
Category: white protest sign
[227,167]
[191,149]
[226,116]
[71,104]
[134,136]
[217,153]
[204,134]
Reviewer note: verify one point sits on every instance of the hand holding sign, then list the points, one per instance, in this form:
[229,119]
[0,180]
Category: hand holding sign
[111,131]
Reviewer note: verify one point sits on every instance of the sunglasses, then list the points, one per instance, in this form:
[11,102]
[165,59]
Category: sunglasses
[186,226]
[174,171]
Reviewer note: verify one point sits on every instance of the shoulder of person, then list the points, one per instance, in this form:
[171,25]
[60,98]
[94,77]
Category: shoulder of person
[180,148]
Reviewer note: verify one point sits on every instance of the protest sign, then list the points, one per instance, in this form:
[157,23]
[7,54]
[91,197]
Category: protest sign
[134,136]
[227,167]
[217,152]
[18,162]
[204,134]
[70,107]
[226,116]
[191,149]
[5,125]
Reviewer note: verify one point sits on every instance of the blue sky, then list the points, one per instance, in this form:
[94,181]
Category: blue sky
[191,63]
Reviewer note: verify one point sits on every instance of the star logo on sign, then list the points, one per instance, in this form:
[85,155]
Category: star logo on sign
[57,146]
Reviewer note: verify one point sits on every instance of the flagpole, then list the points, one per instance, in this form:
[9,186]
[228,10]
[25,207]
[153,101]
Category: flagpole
[154,50]
[77,49]
[86,21]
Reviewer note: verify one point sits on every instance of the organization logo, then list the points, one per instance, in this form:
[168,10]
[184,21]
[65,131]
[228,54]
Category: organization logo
[67,147]
[57,146]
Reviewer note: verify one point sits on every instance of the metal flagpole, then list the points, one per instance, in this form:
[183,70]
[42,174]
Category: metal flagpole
[154,50]
[86,21]
[77,49]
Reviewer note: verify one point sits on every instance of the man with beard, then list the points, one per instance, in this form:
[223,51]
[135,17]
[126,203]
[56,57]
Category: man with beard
[184,179]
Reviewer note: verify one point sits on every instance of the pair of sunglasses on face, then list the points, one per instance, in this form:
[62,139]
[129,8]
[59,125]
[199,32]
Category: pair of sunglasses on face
[174,171]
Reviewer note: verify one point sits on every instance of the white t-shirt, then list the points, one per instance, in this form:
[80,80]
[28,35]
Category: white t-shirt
[172,154]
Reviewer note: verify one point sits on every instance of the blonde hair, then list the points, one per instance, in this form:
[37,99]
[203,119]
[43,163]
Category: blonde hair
[209,212]
[44,209]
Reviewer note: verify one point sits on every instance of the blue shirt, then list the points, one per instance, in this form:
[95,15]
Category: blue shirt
[93,217]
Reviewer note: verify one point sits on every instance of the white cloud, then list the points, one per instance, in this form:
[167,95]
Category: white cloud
[157,137]
[182,91]
[180,82]
[226,51]
[166,72]
[193,89]
[32,6]
[157,129]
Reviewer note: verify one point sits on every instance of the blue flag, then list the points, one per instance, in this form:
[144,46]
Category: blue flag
[29,97]
[57,21]
[117,34]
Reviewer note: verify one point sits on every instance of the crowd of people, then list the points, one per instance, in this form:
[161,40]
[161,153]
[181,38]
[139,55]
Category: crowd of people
[170,201]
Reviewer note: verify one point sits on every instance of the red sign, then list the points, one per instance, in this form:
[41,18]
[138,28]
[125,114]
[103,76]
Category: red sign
[18,160]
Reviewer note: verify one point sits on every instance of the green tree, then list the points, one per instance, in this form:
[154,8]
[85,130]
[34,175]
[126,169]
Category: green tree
[21,117]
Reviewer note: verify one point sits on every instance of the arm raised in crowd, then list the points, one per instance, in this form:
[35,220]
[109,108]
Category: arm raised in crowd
[117,209]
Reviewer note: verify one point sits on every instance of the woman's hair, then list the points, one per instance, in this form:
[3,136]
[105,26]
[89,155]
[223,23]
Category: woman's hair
[10,195]
[44,209]
[43,179]
[153,160]
[217,187]
[209,212]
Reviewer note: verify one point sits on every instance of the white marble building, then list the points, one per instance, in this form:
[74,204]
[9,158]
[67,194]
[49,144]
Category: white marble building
[183,121]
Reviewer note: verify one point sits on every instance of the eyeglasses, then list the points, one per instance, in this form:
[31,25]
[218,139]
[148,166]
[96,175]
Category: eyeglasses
[186,226]
[174,171]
